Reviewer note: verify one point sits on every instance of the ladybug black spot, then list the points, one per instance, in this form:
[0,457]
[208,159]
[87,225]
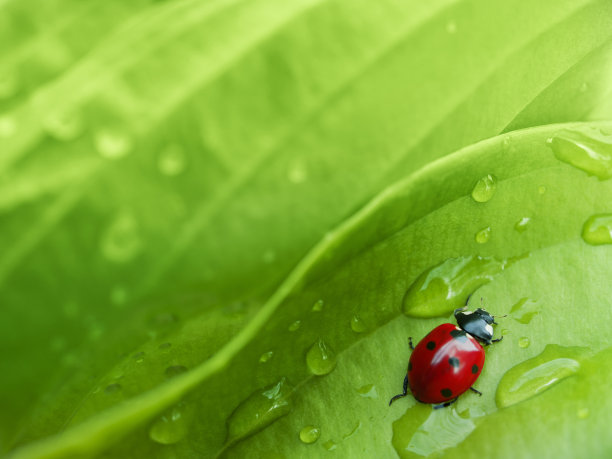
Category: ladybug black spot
[454,362]
[474,368]
[446,393]
[431,345]
[409,366]
[458,334]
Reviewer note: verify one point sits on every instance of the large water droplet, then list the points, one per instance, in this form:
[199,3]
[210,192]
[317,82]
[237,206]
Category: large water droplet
[597,230]
[357,324]
[522,225]
[171,160]
[484,188]
[330,445]
[538,374]
[320,358]
[442,288]
[423,431]
[368,391]
[588,150]
[310,434]
[112,143]
[172,426]
[63,126]
[121,241]
[483,235]
[259,410]
[524,310]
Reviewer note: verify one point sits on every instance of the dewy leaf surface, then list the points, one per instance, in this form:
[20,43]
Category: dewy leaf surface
[169,161]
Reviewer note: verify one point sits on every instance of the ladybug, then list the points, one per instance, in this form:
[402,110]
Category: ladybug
[449,359]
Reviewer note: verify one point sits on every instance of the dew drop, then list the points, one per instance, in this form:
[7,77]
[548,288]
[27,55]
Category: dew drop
[483,235]
[172,426]
[112,143]
[320,358]
[587,150]
[174,370]
[8,127]
[139,357]
[310,434]
[318,306]
[505,332]
[523,342]
[330,445]
[259,410]
[541,189]
[266,356]
[597,230]
[63,126]
[295,326]
[424,432]
[583,413]
[121,241]
[171,160]
[522,225]
[524,310]
[484,188]
[584,87]
[442,288]
[538,374]
[357,324]
[368,391]
[112,388]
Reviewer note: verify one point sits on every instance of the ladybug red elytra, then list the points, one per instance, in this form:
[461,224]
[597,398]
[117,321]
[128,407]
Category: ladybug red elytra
[449,359]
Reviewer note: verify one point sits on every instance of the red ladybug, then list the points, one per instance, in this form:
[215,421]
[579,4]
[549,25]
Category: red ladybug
[449,359]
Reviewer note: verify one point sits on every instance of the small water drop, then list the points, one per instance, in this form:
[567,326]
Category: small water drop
[484,188]
[259,410]
[139,357]
[112,143]
[112,388]
[171,160]
[63,126]
[310,434]
[451,27]
[266,356]
[583,413]
[330,445]
[483,235]
[121,241]
[174,370]
[318,306]
[524,310]
[589,151]
[295,326]
[538,374]
[597,230]
[320,358]
[505,331]
[523,342]
[522,225]
[584,87]
[358,325]
[8,127]
[172,426]
[541,189]
[444,287]
[368,391]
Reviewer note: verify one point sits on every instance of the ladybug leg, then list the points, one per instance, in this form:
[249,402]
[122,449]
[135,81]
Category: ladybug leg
[477,391]
[403,394]
[410,343]
[497,340]
[445,404]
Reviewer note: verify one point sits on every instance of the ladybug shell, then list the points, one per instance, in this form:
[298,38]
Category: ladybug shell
[444,364]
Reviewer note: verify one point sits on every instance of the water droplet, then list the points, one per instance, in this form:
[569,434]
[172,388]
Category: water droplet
[424,431]
[451,27]
[295,326]
[121,242]
[171,160]
[310,434]
[368,391]
[483,235]
[584,87]
[524,342]
[172,426]
[112,143]
[297,173]
[522,225]
[175,370]
[605,130]
[524,310]
[63,126]
[165,345]
[442,288]
[320,358]
[484,188]
[8,127]
[330,445]
[9,83]
[597,230]
[139,357]
[358,325]
[538,374]
[318,306]
[589,151]
[259,410]
[583,413]
[505,332]
[541,189]
[266,356]
[112,388]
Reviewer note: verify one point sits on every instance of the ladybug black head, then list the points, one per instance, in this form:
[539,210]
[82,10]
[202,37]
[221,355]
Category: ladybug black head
[477,323]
